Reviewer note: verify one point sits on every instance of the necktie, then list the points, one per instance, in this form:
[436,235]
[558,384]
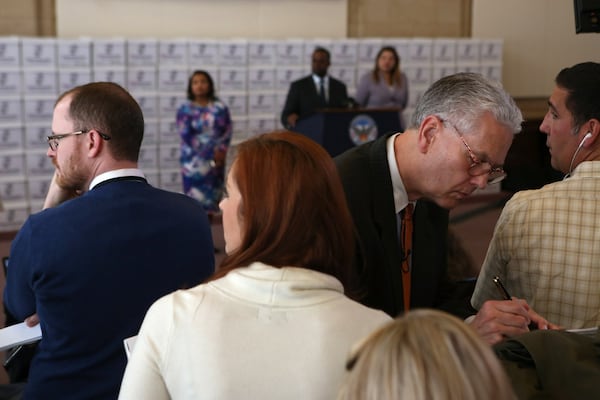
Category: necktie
[407,231]
[322,90]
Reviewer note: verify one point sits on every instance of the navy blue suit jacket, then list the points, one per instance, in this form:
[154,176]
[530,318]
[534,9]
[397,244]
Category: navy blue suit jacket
[303,98]
[90,268]
[368,185]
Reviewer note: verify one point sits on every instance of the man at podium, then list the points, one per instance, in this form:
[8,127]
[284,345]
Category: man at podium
[314,91]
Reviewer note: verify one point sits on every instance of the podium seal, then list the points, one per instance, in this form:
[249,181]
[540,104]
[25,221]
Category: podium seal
[362,129]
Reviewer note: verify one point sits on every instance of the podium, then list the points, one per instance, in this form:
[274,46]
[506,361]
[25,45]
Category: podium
[339,129]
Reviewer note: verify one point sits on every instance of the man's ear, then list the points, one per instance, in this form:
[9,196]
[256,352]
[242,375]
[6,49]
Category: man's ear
[428,131]
[95,144]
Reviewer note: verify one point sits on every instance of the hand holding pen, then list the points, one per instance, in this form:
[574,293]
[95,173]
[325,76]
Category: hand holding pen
[537,322]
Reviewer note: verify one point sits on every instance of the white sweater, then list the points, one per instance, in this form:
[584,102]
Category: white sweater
[258,333]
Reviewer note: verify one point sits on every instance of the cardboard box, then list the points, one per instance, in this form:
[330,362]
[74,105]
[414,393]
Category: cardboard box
[142,79]
[491,51]
[344,74]
[444,51]
[261,79]
[420,51]
[261,53]
[260,125]
[36,135]
[290,53]
[40,82]
[284,76]
[13,188]
[171,180]
[203,53]
[38,52]
[173,52]
[13,216]
[168,156]
[168,133]
[142,53]
[11,110]
[237,103]
[151,130]
[11,137]
[367,50]
[11,82]
[39,109]
[70,78]
[418,75]
[344,52]
[12,162]
[262,103]
[110,74]
[109,52]
[148,103]
[172,80]
[233,53]
[74,53]
[169,104]
[148,157]
[10,52]
[233,79]
[468,51]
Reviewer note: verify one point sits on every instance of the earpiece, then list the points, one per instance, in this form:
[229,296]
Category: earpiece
[586,137]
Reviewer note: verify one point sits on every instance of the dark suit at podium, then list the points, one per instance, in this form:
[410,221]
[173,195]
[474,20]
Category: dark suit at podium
[303,98]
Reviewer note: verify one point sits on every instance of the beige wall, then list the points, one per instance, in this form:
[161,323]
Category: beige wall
[27,17]
[275,19]
[409,18]
[539,40]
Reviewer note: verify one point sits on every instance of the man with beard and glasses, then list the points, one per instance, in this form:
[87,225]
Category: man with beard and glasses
[106,246]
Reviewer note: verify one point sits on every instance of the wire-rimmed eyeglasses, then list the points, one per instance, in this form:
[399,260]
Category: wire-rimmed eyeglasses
[479,167]
[54,138]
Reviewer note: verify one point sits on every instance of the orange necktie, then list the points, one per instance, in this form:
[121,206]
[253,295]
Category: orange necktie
[407,231]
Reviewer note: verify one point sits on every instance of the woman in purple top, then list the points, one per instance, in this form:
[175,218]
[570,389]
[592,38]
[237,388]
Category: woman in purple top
[204,125]
[385,85]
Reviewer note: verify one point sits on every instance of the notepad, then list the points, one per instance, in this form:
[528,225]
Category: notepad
[584,331]
[18,334]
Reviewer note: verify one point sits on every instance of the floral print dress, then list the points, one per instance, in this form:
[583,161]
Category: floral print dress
[203,130]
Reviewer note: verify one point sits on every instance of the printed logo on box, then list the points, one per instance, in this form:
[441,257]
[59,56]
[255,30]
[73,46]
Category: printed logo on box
[10,110]
[13,190]
[74,54]
[11,137]
[39,109]
[261,53]
[203,53]
[9,54]
[109,53]
[289,54]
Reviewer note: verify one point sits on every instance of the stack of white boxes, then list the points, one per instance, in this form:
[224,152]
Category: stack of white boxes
[251,76]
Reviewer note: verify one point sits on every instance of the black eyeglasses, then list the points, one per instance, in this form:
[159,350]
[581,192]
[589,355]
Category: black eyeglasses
[54,138]
[479,167]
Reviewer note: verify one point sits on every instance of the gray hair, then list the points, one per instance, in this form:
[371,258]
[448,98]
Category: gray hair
[463,98]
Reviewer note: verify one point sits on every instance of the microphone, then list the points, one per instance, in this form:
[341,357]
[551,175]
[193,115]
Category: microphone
[586,137]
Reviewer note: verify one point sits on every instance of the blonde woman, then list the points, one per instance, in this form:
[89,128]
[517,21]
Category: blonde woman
[426,354]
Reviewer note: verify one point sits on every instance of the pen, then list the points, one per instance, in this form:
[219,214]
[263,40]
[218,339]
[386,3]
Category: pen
[11,354]
[507,296]
[503,292]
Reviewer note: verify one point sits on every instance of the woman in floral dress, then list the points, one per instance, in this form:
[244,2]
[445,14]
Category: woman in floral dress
[204,125]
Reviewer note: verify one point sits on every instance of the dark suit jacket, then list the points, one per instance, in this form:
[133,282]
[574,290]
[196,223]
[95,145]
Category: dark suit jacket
[367,182]
[90,268]
[303,98]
